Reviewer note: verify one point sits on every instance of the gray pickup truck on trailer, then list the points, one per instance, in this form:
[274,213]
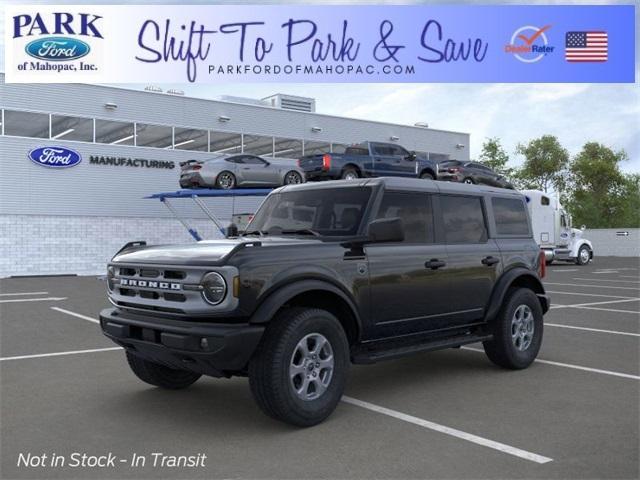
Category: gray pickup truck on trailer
[329,274]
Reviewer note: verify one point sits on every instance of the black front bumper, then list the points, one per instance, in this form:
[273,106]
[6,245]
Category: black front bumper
[214,349]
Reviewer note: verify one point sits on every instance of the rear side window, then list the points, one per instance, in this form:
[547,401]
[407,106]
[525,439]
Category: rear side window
[415,211]
[356,151]
[463,219]
[510,215]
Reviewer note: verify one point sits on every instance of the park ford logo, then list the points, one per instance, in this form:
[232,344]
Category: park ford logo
[57,49]
[55,157]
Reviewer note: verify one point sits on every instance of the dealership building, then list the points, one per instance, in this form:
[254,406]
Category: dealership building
[130,143]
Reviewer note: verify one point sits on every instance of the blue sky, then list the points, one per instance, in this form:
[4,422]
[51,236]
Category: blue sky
[575,113]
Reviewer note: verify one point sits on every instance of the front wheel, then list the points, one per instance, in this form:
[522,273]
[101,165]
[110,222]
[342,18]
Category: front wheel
[299,370]
[517,330]
[159,375]
[468,181]
[427,176]
[584,255]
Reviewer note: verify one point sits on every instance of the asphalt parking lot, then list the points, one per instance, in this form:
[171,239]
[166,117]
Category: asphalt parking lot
[449,414]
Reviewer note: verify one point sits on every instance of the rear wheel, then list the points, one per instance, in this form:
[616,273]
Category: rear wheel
[299,370]
[350,173]
[226,180]
[468,181]
[159,375]
[584,255]
[292,178]
[427,176]
[517,330]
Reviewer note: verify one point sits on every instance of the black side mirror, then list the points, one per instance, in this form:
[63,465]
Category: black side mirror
[411,156]
[232,230]
[386,230]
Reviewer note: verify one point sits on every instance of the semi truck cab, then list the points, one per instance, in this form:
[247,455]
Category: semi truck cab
[553,230]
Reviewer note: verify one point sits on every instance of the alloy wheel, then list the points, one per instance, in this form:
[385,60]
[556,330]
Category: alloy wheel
[522,327]
[311,366]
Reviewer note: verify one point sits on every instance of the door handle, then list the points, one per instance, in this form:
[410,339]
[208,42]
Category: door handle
[489,261]
[434,264]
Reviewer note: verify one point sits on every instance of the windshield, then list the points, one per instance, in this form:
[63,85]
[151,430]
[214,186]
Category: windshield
[325,212]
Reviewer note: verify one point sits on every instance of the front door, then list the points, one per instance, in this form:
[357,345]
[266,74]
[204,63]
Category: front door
[256,171]
[408,280]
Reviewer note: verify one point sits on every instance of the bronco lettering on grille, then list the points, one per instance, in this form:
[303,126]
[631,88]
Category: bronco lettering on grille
[130,282]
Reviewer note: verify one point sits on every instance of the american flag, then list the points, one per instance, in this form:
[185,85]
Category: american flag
[586,47]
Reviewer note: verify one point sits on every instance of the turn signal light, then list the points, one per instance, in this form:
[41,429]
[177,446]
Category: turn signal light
[196,167]
[326,161]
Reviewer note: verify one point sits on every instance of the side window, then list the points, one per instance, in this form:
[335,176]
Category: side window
[415,211]
[463,219]
[511,216]
[234,160]
[251,160]
[399,151]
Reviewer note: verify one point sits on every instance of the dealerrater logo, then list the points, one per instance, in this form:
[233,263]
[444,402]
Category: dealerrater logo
[57,40]
[530,44]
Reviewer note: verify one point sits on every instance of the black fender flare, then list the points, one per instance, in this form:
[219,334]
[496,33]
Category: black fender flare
[281,295]
[502,286]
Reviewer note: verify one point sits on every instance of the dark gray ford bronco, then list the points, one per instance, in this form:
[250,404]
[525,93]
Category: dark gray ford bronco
[330,274]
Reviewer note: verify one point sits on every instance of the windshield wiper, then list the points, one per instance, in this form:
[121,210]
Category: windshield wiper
[302,231]
[255,232]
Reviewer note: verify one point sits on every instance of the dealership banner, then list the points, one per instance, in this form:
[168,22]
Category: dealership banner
[286,43]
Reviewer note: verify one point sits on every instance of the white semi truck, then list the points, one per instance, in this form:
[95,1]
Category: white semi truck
[553,231]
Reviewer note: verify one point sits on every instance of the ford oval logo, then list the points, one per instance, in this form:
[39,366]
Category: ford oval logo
[55,157]
[57,49]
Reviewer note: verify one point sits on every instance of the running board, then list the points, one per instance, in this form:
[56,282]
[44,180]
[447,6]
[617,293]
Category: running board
[383,351]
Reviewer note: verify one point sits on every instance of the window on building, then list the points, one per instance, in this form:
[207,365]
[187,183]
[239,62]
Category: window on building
[463,219]
[315,148]
[158,136]
[26,124]
[191,139]
[287,148]
[225,142]
[258,145]
[437,157]
[65,127]
[114,132]
[415,211]
[545,200]
[511,216]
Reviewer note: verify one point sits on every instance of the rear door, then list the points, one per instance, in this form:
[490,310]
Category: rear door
[474,259]
[408,295]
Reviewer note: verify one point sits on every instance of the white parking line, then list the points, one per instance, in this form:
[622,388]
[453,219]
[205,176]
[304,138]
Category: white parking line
[74,314]
[595,303]
[604,280]
[59,354]
[23,293]
[604,272]
[517,452]
[569,365]
[592,286]
[47,299]
[628,276]
[597,330]
[586,294]
[633,312]
[563,270]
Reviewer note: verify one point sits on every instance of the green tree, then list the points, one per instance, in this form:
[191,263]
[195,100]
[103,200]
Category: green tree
[494,156]
[600,195]
[545,164]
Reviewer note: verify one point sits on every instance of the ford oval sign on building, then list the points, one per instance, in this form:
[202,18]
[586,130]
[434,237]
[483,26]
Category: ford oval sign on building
[55,157]
[57,49]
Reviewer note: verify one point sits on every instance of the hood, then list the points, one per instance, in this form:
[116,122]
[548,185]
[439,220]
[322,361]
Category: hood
[207,252]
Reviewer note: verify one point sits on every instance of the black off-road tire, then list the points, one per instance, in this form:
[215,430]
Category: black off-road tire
[159,375]
[501,349]
[269,377]
[427,176]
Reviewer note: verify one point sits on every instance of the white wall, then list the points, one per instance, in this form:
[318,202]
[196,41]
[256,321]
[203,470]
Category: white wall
[606,242]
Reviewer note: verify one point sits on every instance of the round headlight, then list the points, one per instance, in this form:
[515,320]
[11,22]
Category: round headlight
[214,288]
[111,273]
